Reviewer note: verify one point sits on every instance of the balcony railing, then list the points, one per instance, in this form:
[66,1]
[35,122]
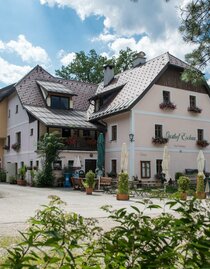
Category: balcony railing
[80,143]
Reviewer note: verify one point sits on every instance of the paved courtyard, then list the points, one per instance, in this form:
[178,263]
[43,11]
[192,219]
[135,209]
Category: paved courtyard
[18,204]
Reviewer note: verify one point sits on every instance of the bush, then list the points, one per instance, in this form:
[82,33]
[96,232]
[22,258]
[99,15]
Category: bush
[44,178]
[12,180]
[89,180]
[200,184]
[178,174]
[57,239]
[123,183]
[183,183]
[3,175]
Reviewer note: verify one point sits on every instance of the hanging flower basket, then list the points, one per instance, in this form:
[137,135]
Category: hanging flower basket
[202,143]
[16,146]
[194,109]
[167,106]
[159,140]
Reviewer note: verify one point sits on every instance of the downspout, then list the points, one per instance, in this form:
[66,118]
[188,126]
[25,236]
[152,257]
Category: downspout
[132,146]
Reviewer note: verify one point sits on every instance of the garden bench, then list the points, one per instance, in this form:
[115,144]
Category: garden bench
[105,183]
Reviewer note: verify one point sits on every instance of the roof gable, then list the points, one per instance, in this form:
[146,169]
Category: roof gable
[137,82]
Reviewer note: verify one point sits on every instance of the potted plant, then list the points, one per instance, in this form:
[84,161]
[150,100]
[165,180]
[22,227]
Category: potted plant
[12,180]
[183,183]
[89,182]
[22,173]
[200,194]
[123,192]
[32,173]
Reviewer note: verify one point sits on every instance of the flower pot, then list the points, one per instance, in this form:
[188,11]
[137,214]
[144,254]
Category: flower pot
[200,195]
[183,196]
[89,191]
[122,197]
[21,182]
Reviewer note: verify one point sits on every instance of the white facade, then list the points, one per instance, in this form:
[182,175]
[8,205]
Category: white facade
[179,125]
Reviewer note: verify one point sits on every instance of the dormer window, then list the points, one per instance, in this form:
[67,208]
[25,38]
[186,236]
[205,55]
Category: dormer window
[60,102]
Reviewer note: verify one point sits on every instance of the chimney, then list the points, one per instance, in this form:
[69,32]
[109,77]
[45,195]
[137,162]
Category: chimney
[139,59]
[108,74]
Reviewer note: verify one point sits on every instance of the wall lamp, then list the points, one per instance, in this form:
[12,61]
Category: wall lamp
[131,137]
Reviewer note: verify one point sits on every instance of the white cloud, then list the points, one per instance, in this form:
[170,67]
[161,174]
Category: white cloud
[105,37]
[10,73]
[208,81]
[66,58]
[172,43]
[126,17]
[26,50]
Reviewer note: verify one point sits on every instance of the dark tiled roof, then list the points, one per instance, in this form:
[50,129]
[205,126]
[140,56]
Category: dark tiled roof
[136,81]
[61,118]
[30,93]
[6,91]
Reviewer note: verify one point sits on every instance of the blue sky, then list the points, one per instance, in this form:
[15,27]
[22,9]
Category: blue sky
[49,32]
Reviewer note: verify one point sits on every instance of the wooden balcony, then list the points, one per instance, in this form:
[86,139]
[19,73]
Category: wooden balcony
[80,143]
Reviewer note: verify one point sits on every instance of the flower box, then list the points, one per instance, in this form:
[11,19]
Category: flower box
[194,109]
[6,147]
[159,140]
[167,106]
[202,143]
[16,146]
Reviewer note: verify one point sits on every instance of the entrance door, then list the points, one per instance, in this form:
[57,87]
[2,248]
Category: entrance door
[11,170]
[90,164]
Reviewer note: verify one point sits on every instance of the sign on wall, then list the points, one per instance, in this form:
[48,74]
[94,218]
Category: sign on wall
[182,136]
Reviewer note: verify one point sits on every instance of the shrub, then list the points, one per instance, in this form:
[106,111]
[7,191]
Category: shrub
[178,174]
[183,183]
[3,175]
[12,180]
[200,184]
[90,180]
[123,183]
[57,239]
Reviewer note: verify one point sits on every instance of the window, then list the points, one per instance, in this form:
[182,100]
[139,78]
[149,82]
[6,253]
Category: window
[37,164]
[145,169]
[31,164]
[86,133]
[114,166]
[9,113]
[166,97]
[18,138]
[22,164]
[192,101]
[70,163]
[158,167]
[57,165]
[59,102]
[114,133]
[200,134]
[32,132]
[8,141]
[158,131]
[16,110]
[66,132]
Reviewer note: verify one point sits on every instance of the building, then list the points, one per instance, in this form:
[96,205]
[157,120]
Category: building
[148,107]
[41,103]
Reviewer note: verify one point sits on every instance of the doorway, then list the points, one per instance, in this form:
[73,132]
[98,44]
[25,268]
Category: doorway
[90,164]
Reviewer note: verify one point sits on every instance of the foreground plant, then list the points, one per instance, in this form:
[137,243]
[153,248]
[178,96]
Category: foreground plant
[57,239]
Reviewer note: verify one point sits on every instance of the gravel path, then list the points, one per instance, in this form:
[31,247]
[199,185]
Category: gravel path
[19,203]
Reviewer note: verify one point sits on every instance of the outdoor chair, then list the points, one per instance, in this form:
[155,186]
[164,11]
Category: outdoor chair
[106,183]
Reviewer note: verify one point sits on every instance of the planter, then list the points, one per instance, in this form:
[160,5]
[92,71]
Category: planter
[21,182]
[183,196]
[200,195]
[89,191]
[122,197]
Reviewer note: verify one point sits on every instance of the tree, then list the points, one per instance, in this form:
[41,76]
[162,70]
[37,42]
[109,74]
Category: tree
[49,148]
[195,28]
[89,68]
